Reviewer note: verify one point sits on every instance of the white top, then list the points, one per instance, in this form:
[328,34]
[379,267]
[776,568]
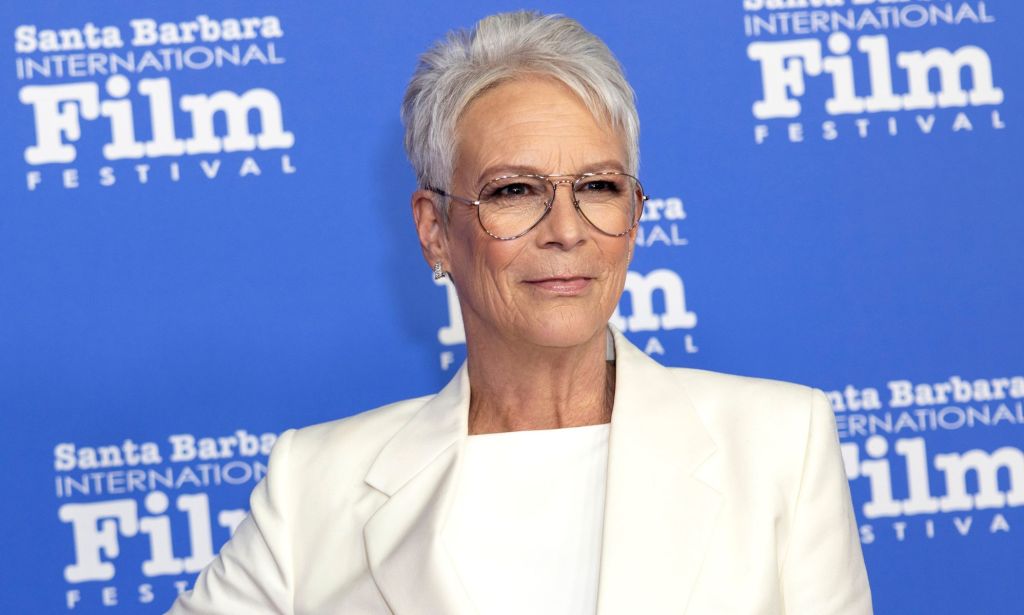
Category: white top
[524,529]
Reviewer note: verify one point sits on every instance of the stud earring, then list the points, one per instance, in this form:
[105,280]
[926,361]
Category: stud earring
[438,271]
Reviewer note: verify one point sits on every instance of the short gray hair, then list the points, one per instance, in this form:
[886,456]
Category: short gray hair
[501,47]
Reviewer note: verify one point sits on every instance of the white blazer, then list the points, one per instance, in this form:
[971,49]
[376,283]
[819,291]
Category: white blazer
[725,495]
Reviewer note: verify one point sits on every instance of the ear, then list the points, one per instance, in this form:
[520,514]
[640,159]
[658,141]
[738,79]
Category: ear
[429,228]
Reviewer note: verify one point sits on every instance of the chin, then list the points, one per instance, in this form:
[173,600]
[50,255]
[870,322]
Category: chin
[564,331]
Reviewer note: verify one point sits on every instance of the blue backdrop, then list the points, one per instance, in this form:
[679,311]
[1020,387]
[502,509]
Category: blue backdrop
[205,239]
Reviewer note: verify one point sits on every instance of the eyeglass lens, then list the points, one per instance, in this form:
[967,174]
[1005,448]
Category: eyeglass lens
[510,206]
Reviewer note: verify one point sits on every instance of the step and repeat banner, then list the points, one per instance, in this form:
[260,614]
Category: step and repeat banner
[206,239]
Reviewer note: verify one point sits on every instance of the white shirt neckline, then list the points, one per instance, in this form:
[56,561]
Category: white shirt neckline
[524,529]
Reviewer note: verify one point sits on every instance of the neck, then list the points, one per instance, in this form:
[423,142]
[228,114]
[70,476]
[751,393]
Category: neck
[517,386]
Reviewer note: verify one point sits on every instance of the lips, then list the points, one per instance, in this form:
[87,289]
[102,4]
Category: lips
[567,285]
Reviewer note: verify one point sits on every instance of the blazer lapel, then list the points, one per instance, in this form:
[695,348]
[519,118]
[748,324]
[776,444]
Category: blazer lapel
[417,469]
[659,514]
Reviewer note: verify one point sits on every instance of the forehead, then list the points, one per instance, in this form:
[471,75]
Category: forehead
[536,125]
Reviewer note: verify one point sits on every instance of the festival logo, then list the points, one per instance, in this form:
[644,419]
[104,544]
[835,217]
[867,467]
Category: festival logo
[839,69]
[915,484]
[106,108]
[132,509]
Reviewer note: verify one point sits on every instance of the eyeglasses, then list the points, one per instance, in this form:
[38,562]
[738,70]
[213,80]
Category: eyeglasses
[509,207]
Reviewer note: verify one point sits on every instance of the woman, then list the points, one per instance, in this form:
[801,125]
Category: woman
[561,470]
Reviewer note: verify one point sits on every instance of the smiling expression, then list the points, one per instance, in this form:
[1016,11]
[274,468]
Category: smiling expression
[558,285]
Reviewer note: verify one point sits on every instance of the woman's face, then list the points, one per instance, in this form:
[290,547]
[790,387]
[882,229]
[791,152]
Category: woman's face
[558,285]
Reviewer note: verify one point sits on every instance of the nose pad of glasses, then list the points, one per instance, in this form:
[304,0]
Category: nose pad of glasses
[572,193]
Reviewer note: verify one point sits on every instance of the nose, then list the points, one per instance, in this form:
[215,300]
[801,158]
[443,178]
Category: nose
[562,227]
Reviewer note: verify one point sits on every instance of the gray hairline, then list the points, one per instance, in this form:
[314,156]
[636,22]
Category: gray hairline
[449,77]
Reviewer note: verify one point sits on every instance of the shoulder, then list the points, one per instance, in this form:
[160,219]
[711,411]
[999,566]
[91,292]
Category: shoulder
[731,397]
[345,446]
[713,387]
[759,418]
[365,431]
[374,423]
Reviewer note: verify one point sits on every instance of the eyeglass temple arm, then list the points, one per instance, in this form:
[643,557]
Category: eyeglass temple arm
[452,196]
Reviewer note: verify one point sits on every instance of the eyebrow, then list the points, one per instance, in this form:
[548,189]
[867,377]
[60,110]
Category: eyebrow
[499,170]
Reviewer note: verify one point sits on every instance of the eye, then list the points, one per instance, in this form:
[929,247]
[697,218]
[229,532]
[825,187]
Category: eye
[599,185]
[514,190]
[511,190]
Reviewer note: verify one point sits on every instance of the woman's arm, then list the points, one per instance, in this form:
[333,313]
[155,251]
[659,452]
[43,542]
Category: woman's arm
[253,572]
[823,570]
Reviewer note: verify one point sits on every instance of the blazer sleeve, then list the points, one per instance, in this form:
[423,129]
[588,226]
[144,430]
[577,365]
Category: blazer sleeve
[252,574]
[823,570]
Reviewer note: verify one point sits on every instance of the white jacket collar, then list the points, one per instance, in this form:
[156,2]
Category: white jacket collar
[658,513]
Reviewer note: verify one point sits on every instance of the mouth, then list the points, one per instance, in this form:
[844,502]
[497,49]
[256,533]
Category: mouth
[562,285]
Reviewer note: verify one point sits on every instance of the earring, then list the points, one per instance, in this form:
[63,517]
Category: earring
[438,271]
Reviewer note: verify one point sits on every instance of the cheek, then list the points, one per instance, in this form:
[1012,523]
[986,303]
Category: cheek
[614,290]
[616,256]
[484,266]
